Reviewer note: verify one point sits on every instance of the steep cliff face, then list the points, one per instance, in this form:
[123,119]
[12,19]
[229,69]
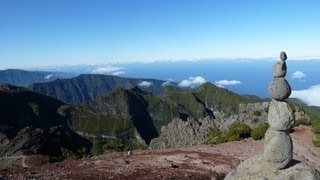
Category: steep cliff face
[122,116]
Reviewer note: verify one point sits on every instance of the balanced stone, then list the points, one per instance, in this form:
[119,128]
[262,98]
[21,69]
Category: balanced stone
[280,115]
[277,148]
[279,69]
[279,89]
[283,56]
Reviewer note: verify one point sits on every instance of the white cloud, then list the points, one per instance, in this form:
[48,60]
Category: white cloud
[113,70]
[117,73]
[298,75]
[49,76]
[192,82]
[167,83]
[145,84]
[310,96]
[222,83]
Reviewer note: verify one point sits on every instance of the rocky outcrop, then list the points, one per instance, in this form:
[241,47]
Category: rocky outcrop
[180,133]
[252,114]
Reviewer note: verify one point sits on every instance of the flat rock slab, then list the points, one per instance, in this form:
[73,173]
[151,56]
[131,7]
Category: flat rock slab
[256,168]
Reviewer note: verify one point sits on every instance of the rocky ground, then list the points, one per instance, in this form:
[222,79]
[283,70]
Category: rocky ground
[196,162]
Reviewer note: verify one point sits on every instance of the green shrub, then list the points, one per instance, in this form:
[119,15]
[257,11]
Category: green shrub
[63,110]
[114,147]
[302,121]
[213,135]
[68,154]
[315,121]
[316,129]
[255,120]
[34,107]
[82,152]
[97,147]
[257,113]
[238,131]
[222,139]
[259,132]
[316,140]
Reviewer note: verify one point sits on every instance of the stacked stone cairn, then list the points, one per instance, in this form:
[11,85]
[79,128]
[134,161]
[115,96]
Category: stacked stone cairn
[278,149]
[276,161]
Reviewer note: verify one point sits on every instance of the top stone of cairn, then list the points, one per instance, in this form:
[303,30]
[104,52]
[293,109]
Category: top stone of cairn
[283,56]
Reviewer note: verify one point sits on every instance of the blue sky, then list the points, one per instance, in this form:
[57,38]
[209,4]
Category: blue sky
[43,32]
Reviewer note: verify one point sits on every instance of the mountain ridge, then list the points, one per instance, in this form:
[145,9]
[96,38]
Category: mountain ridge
[87,87]
[146,114]
[25,78]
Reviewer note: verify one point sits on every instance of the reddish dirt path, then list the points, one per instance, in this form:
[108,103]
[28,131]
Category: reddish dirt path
[196,162]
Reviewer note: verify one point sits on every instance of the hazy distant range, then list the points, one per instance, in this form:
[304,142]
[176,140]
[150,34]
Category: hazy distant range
[243,76]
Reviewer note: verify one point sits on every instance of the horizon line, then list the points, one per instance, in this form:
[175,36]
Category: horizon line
[115,62]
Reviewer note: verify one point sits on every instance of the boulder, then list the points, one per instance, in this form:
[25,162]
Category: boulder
[279,89]
[256,168]
[279,69]
[278,148]
[280,116]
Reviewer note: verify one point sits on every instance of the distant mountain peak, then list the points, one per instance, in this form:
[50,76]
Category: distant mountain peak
[207,85]
[25,78]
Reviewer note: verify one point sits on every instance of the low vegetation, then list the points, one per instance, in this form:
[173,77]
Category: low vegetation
[258,132]
[214,135]
[237,131]
[302,121]
[100,146]
[80,153]
[316,129]
[257,113]
[315,123]
[316,140]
